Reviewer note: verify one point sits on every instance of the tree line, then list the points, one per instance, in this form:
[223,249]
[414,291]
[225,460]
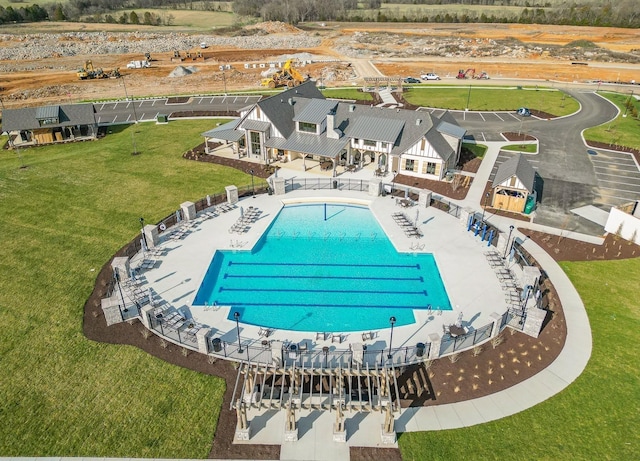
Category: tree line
[607,13]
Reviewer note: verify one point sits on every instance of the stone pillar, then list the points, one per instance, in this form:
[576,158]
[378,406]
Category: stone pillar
[533,321]
[435,339]
[120,264]
[278,186]
[145,312]
[424,199]
[151,234]
[375,187]
[464,216]
[276,353]
[188,211]
[496,319]
[232,194]
[111,309]
[201,338]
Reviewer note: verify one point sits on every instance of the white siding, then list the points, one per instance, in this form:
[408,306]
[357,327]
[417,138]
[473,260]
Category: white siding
[273,132]
[516,185]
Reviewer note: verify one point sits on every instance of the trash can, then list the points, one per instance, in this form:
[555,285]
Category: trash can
[335,184]
[217,344]
[420,349]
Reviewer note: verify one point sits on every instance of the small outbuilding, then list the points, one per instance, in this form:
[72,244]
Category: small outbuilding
[514,186]
[50,124]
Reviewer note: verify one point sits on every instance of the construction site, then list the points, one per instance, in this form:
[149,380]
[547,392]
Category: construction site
[47,67]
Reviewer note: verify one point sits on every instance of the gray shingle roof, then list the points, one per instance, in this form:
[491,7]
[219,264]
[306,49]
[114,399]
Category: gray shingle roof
[377,129]
[282,108]
[316,111]
[519,167]
[27,118]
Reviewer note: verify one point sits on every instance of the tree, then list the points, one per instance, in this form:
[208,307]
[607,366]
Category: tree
[133,18]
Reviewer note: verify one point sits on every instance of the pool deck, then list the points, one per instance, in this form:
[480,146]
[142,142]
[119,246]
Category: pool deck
[470,283]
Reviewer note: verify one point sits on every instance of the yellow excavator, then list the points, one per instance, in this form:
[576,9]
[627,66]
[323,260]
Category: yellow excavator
[89,72]
[288,76]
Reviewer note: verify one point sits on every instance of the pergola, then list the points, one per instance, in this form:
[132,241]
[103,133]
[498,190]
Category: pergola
[285,386]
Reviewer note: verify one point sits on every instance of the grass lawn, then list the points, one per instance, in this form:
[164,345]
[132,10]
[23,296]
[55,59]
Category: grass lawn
[623,131]
[478,149]
[346,93]
[529,148]
[548,100]
[596,417]
[64,216]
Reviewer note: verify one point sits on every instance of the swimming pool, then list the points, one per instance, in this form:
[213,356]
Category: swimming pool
[323,267]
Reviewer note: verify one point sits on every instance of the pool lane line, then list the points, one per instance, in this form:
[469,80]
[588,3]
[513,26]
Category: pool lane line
[328,277]
[240,305]
[385,266]
[293,290]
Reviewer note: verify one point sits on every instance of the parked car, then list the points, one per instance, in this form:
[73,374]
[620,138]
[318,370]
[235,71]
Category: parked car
[412,80]
[524,112]
[430,76]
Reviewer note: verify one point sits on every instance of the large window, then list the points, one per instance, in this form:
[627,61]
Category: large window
[431,168]
[368,142]
[409,164]
[307,127]
[255,143]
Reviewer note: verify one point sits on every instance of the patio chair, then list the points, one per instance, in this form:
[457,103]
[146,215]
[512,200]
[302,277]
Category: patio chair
[321,336]
[336,338]
[264,332]
[368,335]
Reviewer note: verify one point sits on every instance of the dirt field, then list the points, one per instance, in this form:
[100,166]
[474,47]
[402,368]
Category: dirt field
[503,51]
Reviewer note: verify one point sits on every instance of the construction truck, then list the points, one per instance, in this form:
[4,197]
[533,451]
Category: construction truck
[138,64]
[469,73]
[288,76]
[481,76]
[89,72]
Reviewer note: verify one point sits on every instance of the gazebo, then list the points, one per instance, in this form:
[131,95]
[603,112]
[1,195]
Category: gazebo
[513,185]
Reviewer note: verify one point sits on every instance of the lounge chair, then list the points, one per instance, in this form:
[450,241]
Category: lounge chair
[264,332]
[336,338]
[368,335]
[321,336]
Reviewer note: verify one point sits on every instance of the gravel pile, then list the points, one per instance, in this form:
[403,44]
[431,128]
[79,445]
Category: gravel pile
[387,45]
[42,46]
[181,71]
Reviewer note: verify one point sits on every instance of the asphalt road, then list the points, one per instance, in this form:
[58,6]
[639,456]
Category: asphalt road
[119,112]
[568,176]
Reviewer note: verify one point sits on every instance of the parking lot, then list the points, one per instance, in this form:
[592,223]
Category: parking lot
[618,177]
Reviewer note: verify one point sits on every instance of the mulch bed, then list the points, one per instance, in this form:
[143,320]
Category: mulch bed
[511,136]
[446,189]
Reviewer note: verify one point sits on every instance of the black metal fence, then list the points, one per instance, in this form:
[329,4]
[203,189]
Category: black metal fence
[449,344]
[293,184]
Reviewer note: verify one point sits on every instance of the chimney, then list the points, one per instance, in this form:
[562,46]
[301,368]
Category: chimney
[332,133]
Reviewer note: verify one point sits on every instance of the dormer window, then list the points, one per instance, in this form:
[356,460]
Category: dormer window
[306,127]
[368,142]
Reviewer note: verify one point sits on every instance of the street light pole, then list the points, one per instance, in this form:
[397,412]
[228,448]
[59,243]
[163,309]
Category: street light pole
[468,97]
[506,246]
[135,117]
[253,189]
[484,206]
[393,182]
[392,321]
[144,237]
[236,315]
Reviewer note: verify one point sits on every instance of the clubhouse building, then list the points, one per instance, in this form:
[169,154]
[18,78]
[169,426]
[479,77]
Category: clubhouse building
[300,123]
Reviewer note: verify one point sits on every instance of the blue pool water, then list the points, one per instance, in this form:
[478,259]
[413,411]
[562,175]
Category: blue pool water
[336,275]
